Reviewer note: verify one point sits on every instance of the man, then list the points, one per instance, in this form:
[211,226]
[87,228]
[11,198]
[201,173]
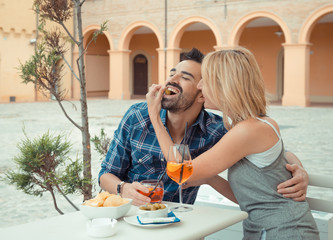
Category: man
[135,155]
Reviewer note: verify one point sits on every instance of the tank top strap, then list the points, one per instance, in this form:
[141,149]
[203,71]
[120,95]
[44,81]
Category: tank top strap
[267,122]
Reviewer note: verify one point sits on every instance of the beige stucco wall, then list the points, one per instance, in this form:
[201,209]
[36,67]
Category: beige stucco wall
[18,28]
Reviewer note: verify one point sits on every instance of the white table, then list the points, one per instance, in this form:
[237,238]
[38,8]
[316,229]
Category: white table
[196,224]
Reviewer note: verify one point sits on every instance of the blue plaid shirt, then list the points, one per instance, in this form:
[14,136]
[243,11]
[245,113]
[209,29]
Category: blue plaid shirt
[135,154]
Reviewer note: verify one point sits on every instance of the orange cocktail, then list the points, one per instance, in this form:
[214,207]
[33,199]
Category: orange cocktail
[156,195]
[179,172]
[179,168]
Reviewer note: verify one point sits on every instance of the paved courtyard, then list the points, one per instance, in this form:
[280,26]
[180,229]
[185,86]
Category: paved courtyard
[308,132]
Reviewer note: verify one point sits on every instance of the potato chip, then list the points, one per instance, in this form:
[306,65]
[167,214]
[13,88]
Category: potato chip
[103,195]
[105,199]
[95,202]
[113,201]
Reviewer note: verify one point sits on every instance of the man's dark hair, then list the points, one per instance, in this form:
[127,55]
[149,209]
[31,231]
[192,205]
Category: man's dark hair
[194,55]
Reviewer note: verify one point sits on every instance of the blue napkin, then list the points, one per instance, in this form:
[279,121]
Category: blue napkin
[170,219]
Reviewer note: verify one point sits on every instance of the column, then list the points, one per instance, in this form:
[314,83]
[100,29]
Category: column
[172,59]
[119,75]
[296,75]
[162,68]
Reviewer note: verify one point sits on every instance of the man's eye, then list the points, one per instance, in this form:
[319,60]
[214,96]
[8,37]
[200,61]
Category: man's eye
[185,78]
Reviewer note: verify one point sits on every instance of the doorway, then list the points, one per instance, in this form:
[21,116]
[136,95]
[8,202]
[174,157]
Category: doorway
[140,75]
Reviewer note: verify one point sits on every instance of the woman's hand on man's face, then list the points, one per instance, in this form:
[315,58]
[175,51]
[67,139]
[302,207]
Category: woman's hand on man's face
[154,98]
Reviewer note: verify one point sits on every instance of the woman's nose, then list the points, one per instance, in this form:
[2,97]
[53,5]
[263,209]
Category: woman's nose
[199,86]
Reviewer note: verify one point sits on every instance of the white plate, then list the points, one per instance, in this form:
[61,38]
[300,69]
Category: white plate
[134,221]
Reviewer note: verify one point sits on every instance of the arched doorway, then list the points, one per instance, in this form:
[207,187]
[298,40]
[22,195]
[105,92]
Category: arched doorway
[198,35]
[140,75]
[321,60]
[193,32]
[140,37]
[264,38]
[97,66]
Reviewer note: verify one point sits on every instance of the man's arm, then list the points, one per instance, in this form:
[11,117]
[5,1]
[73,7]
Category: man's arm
[295,187]
[109,183]
[115,166]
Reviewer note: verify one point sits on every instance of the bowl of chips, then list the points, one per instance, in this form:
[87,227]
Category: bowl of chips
[106,205]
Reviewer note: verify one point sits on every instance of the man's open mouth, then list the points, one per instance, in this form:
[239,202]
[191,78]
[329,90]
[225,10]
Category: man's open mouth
[171,91]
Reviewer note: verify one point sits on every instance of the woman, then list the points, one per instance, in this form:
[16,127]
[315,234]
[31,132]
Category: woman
[252,149]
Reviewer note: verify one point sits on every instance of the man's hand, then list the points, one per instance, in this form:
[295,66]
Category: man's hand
[295,187]
[130,190]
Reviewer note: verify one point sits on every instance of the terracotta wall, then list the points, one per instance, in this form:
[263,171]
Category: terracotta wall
[321,60]
[265,45]
[203,40]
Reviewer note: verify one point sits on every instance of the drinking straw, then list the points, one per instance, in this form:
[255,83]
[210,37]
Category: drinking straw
[182,169]
[184,142]
[157,184]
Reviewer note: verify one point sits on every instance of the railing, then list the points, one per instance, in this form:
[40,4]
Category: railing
[316,203]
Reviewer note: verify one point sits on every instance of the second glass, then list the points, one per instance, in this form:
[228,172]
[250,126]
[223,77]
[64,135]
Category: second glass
[179,169]
[156,195]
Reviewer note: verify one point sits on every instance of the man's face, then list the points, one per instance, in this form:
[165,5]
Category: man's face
[182,86]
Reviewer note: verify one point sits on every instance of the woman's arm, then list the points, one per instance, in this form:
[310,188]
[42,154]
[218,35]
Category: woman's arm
[154,97]
[240,141]
[222,186]
[218,183]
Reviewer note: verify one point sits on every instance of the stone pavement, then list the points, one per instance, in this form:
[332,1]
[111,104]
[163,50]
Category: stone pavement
[307,132]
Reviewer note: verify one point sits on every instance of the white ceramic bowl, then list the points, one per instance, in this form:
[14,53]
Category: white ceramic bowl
[154,214]
[101,227]
[106,212]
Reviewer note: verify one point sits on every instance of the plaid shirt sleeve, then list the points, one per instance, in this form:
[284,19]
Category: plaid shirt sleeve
[117,160]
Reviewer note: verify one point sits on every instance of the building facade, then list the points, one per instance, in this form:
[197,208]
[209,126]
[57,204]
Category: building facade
[292,42]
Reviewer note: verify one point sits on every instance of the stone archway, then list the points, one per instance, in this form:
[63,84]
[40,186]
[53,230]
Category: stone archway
[264,34]
[316,33]
[175,39]
[121,76]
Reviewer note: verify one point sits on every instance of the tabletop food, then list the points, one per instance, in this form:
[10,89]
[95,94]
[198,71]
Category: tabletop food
[152,207]
[105,199]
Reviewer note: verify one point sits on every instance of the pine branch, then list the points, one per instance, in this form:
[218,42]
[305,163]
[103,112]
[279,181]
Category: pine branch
[68,117]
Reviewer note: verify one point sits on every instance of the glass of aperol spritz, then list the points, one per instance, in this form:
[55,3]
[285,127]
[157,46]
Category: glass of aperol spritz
[179,169]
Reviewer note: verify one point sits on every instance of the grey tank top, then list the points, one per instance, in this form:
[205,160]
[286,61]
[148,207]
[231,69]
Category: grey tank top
[256,192]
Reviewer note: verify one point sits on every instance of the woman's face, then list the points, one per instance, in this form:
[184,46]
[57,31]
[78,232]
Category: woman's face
[206,92]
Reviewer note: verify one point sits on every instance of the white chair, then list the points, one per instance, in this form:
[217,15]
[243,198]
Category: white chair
[322,205]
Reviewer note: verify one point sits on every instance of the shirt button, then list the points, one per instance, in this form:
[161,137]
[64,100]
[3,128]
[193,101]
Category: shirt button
[140,160]
[162,159]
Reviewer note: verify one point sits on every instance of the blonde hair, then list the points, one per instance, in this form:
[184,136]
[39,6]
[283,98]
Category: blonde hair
[235,84]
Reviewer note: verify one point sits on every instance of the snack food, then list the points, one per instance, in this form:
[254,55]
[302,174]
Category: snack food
[167,92]
[152,207]
[105,199]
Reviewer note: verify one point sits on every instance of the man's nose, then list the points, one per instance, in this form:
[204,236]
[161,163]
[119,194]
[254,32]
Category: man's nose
[175,78]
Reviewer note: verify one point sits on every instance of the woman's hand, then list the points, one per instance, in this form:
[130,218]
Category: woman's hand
[154,98]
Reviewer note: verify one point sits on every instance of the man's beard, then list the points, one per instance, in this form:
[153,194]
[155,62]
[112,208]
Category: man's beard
[179,104]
